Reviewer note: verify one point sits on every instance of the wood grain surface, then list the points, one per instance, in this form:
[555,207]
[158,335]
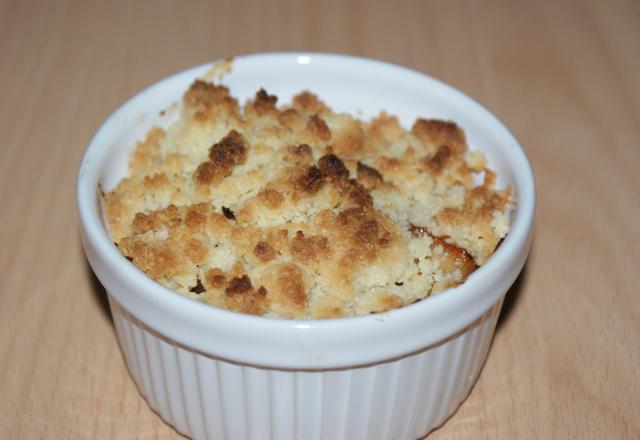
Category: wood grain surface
[564,76]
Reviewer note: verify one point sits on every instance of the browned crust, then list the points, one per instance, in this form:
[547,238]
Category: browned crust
[308,103]
[264,103]
[241,284]
[206,101]
[368,176]
[300,153]
[291,119]
[240,296]
[317,129]
[355,193]
[290,285]
[157,261]
[170,216]
[215,278]
[224,155]
[196,251]
[332,167]
[308,249]
[310,180]
[438,133]
[362,230]
[438,161]
[271,198]
[350,142]
[197,216]
[264,251]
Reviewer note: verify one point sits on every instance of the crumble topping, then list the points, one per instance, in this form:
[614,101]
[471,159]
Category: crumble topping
[296,211]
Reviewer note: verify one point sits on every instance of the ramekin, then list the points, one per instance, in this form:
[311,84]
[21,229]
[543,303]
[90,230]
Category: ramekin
[217,374]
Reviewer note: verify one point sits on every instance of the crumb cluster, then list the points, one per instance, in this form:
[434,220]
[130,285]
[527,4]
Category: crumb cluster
[296,211]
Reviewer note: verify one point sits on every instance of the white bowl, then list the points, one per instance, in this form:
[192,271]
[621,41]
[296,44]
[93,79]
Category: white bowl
[217,374]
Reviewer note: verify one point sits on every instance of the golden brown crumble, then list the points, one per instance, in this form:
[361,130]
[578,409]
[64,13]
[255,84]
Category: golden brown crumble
[295,211]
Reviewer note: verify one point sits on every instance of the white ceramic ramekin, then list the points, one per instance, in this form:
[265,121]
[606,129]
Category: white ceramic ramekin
[216,374]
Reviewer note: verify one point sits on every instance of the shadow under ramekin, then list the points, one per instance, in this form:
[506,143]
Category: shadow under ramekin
[98,291]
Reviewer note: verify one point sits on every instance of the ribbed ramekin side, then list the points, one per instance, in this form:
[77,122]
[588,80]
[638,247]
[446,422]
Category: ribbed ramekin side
[310,412]
[205,397]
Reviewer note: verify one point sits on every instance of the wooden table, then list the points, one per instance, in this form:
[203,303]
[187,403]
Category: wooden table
[564,76]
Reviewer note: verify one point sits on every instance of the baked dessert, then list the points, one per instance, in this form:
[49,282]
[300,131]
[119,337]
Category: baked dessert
[296,211]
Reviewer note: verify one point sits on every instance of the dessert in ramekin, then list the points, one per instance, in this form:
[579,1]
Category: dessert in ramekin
[213,373]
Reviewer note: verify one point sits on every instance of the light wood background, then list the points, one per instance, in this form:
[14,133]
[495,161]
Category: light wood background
[563,75]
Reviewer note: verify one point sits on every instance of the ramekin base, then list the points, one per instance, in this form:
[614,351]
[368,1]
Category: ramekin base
[204,397]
